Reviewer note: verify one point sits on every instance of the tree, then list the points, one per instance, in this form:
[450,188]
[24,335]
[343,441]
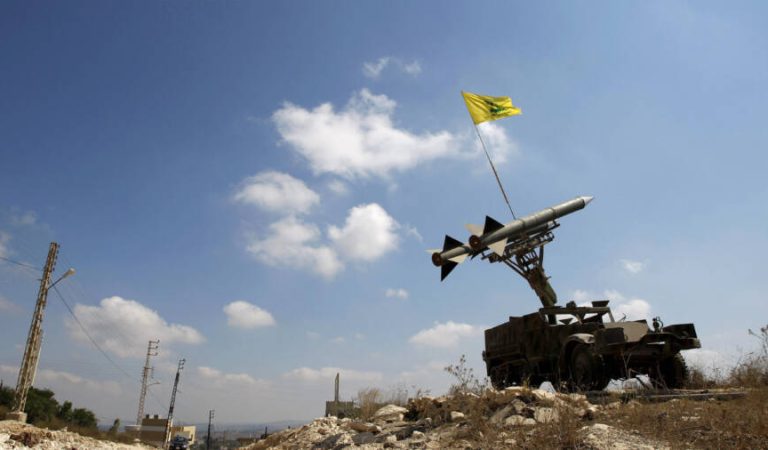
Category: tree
[41,405]
[65,411]
[6,397]
[84,418]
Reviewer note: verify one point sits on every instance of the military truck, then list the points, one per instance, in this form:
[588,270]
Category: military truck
[583,348]
[580,347]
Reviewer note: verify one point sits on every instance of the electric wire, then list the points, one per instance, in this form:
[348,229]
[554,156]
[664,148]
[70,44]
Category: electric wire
[19,263]
[98,347]
[88,335]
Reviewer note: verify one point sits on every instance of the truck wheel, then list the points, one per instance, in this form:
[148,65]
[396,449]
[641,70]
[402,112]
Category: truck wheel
[586,370]
[674,371]
[498,378]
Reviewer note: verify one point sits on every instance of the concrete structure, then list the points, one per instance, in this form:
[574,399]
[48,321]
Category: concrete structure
[153,430]
[133,430]
[337,408]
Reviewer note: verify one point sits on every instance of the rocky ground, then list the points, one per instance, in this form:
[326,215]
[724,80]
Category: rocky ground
[512,418]
[17,435]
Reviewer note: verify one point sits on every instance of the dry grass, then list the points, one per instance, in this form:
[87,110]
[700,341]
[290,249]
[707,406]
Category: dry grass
[370,399]
[738,424]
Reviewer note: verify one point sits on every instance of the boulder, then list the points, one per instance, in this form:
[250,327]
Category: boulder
[390,413]
[362,427]
[364,438]
[515,421]
[498,417]
[546,415]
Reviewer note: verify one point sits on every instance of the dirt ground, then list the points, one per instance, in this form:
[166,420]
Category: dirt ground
[17,435]
[534,419]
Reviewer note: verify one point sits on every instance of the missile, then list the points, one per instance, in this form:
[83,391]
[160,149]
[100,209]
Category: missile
[495,235]
[454,253]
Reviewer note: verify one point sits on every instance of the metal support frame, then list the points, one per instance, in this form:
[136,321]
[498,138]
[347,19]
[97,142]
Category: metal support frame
[525,256]
[29,363]
[151,351]
[173,402]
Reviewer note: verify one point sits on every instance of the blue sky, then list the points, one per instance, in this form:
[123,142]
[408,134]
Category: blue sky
[255,184]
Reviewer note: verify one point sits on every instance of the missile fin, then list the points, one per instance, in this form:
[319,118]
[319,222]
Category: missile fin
[498,247]
[477,230]
[491,225]
[459,259]
[451,243]
[446,269]
[433,250]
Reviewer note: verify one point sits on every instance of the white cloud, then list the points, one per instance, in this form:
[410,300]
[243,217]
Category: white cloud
[396,293]
[5,238]
[313,335]
[277,192]
[48,377]
[412,68]
[27,218]
[7,305]
[429,371]
[499,145]
[632,308]
[359,141]
[713,363]
[123,327]
[338,187]
[329,373]
[220,378]
[581,296]
[374,69]
[368,233]
[292,243]
[445,335]
[339,340]
[241,314]
[633,267]
[413,231]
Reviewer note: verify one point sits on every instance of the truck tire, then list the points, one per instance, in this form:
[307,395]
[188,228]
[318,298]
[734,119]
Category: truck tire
[586,370]
[674,372]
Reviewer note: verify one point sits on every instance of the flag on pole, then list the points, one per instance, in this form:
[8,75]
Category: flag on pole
[483,108]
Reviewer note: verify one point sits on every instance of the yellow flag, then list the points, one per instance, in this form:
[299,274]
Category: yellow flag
[483,108]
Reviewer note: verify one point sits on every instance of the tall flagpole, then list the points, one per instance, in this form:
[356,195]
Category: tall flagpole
[495,173]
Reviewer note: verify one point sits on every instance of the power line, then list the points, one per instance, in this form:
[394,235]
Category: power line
[93,341]
[88,335]
[98,347]
[19,263]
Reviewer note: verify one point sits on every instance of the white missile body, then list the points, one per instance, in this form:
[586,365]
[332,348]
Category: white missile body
[495,236]
[496,240]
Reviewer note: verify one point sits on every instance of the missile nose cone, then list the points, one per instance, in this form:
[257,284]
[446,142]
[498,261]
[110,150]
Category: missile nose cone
[587,199]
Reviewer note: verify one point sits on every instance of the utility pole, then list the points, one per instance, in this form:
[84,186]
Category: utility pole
[173,401]
[34,340]
[151,351]
[208,438]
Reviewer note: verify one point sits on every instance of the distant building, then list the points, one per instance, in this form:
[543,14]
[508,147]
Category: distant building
[152,430]
[337,408]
